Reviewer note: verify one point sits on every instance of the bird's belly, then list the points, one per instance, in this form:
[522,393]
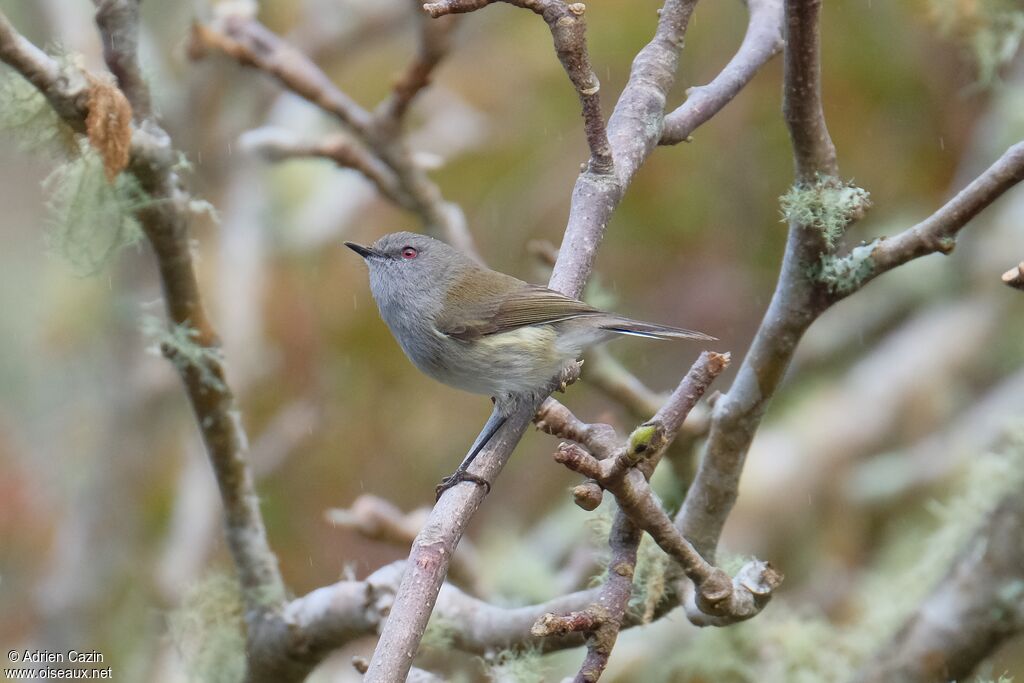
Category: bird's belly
[515,362]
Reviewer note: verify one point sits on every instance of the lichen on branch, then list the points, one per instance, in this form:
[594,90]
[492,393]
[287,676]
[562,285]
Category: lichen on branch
[843,275]
[91,218]
[828,205]
[31,121]
[181,345]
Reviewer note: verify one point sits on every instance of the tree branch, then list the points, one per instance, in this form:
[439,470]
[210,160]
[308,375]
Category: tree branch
[276,144]
[118,20]
[1014,277]
[800,295]
[435,39]
[253,45]
[554,418]
[938,232]
[612,601]
[718,599]
[762,41]
[634,129]
[432,551]
[795,304]
[329,617]
[65,89]
[625,474]
[813,150]
[165,223]
[569,32]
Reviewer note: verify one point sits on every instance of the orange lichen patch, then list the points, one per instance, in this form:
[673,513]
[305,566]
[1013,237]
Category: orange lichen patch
[109,124]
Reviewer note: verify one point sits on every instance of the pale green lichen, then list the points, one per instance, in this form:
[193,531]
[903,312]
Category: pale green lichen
[90,218]
[439,635]
[178,343]
[208,630]
[650,580]
[201,207]
[828,205]
[1003,678]
[182,164]
[516,666]
[844,274]
[515,574]
[28,119]
[732,563]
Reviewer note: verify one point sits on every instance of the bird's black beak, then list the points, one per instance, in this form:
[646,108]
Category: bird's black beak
[365,252]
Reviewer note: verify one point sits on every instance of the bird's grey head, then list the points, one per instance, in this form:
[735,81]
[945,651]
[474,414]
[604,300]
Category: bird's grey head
[410,272]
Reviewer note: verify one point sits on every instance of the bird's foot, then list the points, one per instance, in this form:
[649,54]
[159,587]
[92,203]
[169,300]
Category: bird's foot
[458,477]
[569,374]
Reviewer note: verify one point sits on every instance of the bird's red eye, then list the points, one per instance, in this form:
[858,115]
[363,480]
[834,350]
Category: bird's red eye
[409,252]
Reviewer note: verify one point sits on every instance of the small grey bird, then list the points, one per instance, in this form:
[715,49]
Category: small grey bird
[482,331]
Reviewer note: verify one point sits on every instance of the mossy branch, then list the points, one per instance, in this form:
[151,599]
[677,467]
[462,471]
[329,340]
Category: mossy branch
[826,204]
[162,208]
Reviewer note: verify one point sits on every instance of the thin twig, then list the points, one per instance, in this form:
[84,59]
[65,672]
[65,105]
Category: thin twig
[813,150]
[612,600]
[762,41]
[431,554]
[717,599]
[938,232]
[165,223]
[1014,277]
[625,475]
[633,132]
[118,20]
[277,145]
[435,39]
[66,90]
[569,33]
[554,418]
[624,540]
[252,44]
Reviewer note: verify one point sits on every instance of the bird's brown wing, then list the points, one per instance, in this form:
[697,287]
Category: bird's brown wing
[512,304]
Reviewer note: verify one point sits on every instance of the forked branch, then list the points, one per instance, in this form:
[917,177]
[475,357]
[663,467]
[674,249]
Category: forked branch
[569,32]
[406,183]
[165,221]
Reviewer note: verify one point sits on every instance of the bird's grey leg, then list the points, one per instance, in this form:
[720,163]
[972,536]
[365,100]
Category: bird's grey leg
[494,423]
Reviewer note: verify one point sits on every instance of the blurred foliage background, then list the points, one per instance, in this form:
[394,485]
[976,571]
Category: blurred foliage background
[877,443]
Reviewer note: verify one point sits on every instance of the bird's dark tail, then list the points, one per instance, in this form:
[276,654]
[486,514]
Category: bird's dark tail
[638,328]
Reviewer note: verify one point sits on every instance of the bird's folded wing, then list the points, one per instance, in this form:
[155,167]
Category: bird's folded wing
[526,305]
